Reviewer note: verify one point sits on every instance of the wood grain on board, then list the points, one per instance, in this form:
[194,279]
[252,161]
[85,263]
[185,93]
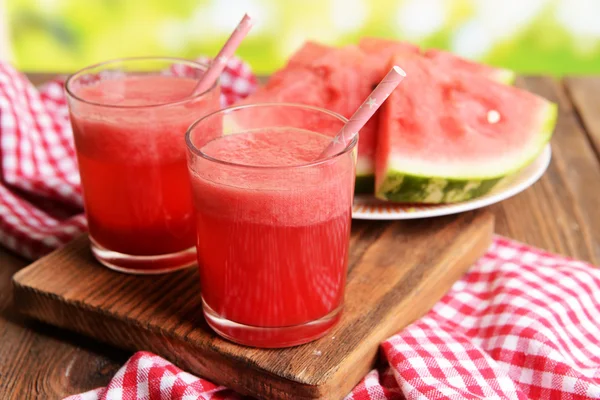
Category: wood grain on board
[38,361]
[397,272]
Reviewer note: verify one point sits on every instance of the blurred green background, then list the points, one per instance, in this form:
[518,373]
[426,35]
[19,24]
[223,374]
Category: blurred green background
[531,36]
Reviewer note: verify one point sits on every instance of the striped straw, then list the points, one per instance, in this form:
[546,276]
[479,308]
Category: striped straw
[364,112]
[229,48]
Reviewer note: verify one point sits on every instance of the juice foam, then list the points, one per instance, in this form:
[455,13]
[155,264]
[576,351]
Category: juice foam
[291,190]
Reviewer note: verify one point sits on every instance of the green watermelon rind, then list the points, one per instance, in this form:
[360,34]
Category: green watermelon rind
[402,187]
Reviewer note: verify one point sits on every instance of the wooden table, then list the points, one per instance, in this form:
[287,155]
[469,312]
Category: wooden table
[560,213]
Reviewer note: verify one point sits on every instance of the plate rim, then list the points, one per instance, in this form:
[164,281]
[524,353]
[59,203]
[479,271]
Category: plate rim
[543,158]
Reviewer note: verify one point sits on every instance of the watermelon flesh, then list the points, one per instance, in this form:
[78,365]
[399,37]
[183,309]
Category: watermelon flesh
[381,50]
[447,136]
[309,53]
[327,80]
[288,86]
[451,61]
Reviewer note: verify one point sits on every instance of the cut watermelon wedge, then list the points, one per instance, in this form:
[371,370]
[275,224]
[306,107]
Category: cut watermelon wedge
[447,137]
[379,51]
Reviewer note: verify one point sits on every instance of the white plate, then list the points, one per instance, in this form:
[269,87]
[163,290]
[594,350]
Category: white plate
[368,207]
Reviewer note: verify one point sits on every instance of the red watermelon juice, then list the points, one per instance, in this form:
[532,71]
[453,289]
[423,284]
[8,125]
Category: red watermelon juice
[273,231]
[129,132]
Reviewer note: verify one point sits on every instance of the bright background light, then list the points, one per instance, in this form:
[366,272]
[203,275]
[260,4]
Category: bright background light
[531,36]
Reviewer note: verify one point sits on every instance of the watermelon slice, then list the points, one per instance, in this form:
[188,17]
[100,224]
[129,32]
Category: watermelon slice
[339,79]
[446,136]
[379,51]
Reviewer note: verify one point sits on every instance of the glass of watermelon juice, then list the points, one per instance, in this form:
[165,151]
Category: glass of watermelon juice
[273,224]
[129,118]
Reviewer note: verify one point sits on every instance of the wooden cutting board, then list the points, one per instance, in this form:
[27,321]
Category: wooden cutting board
[397,272]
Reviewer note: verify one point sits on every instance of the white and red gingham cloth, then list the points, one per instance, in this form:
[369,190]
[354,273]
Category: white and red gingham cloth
[40,194]
[521,324]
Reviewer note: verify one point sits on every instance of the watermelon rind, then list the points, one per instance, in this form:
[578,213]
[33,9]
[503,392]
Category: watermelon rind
[409,185]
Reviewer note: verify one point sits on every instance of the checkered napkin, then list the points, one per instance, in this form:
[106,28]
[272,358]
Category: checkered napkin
[40,194]
[522,324]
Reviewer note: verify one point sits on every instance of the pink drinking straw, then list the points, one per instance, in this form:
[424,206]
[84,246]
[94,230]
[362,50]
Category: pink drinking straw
[230,46]
[364,112]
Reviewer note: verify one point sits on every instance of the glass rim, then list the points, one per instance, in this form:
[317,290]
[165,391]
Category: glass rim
[198,152]
[201,65]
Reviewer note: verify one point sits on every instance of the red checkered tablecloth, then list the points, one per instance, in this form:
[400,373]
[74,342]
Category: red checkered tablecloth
[523,323]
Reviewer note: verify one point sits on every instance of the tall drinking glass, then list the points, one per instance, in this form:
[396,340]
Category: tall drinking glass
[272,224]
[129,119]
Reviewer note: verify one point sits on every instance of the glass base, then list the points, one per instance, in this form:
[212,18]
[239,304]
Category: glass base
[143,265]
[270,337]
